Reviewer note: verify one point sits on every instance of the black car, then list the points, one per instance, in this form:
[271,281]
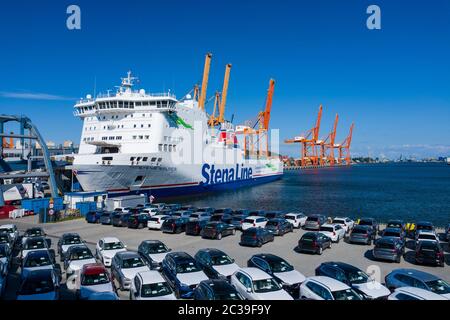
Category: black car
[194,226]
[314,242]
[174,225]
[30,233]
[221,217]
[216,230]
[258,213]
[216,263]
[348,274]
[236,221]
[216,289]
[138,221]
[273,214]
[120,219]
[5,238]
[106,217]
[280,269]
[279,226]
[66,241]
[429,252]
[256,237]
[153,252]
[371,222]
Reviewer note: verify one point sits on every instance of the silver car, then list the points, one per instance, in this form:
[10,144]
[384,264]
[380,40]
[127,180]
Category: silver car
[314,221]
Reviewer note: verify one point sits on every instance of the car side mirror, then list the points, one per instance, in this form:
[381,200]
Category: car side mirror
[169,250]
[249,290]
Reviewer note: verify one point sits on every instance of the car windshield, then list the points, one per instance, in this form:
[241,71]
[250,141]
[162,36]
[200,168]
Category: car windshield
[272,223]
[219,260]
[249,221]
[430,245]
[312,219]
[94,279]
[280,266]
[187,267]
[357,276]
[439,286]
[385,245]
[81,254]
[8,230]
[113,245]
[35,244]
[32,262]
[391,234]
[4,238]
[72,240]
[427,236]
[33,233]
[33,286]
[156,248]
[365,222]
[327,229]
[424,227]
[155,290]
[339,221]
[265,285]
[290,217]
[134,262]
[348,294]
[394,225]
[359,231]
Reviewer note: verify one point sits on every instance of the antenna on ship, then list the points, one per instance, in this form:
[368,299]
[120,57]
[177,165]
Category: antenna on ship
[128,82]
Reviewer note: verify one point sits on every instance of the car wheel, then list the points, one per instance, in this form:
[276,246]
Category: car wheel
[177,293]
[320,251]
[259,244]
[219,236]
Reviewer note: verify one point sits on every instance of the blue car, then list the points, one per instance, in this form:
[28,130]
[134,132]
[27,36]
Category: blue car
[93,216]
[183,273]
[41,284]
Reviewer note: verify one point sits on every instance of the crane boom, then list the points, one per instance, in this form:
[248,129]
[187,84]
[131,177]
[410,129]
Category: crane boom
[223,99]
[268,108]
[317,127]
[333,133]
[201,101]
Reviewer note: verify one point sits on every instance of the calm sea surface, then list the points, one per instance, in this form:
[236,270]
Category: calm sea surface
[410,191]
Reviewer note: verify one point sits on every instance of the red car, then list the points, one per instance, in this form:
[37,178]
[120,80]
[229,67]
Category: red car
[5,210]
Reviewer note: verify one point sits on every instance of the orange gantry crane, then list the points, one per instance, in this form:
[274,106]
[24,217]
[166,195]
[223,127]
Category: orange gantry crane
[344,148]
[309,141]
[220,100]
[327,146]
[202,96]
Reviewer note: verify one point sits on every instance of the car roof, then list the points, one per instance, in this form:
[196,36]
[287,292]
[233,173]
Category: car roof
[427,233]
[35,239]
[66,235]
[212,251]
[332,225]
[93,268]
[110,239]
[387,240]
[151,242]
[423,293]
[267,257]
[254,217]
[341,265]
[424,223]
[78,247]
[277,220]
[395,221]
[294,213]
[341,218]
[218,285]
[361,227]
[331,283]
[424,276]
[37,253]
[127,254]
[392,229]
[180,255]
[255,273]
[151,276]
[7,226]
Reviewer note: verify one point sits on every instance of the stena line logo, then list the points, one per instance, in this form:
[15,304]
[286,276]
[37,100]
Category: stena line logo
[211,175]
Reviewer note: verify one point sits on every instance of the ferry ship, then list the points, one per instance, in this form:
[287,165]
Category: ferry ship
[135,142]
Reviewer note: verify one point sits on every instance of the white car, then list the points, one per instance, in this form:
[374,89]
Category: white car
[150,285]
[326,288]
[426,236]
[77,257]
[11,229]
[413,293]
[298,220]
[155,222]
[107,248]
[345,223]
[34,244]
[255,284]
[125,266]
[150,211]
[333,231]
[253,222]
[122,209]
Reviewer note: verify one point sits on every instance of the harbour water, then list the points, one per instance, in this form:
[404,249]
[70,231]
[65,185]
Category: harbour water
[409,191]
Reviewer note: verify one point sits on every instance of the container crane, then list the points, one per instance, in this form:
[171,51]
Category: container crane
[327,146]
[344,148]
[221,100]
[204,87]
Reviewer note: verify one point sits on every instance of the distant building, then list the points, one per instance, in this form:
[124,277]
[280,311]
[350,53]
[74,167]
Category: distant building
[68,144]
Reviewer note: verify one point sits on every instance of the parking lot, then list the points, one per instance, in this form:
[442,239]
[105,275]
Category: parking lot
[357,255]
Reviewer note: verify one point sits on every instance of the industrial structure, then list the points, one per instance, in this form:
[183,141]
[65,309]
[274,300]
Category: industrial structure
[316,152]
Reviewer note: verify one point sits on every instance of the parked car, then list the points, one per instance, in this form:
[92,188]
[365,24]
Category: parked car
[419,279]
[93,216]
[397,224]
[188,208]
[395,232]
[94,278]
[5,258]
[122,209]
[150,211]
[31,233]
[298,220]
[253,222]
[215,263]
[3,278]
[426,236]
[66,241]
[357,279]
[274,214]
[107,248]
[203,216]
[39,260]
[371,222]
[388,248]
[237,221]
[362,234]
[119,219]
[106,217]
[183,273]
[181,214]
[174,225]
[424,226]
[209,210]
[155,222]
[430,252]
[334,231]
[326,288]
[255,284]
[447,233]
[11,229]
[77,257]
[154,252]
[241,212]
[150,285]
[412,293]
[314,221]
[173,206]
[216,289]
[289,278]
[314,242]
[217,230]
[39,285]
[125,266]
[138,221]
[345,223]
[258,213]
[255,237]
[34,244]
[195,226]
[279,226]
[5,239]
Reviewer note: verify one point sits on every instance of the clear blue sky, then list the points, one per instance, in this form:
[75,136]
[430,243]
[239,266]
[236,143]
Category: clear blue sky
[394,83]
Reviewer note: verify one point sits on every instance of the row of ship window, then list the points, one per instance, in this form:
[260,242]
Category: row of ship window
[127,105]
[117,117]
[119,127]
